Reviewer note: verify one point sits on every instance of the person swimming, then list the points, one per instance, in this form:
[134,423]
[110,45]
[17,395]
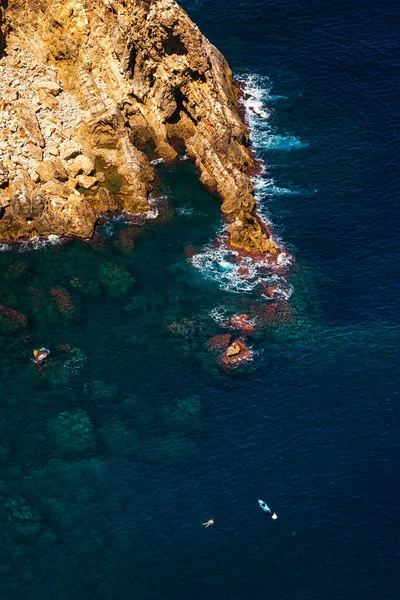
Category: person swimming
[209,522]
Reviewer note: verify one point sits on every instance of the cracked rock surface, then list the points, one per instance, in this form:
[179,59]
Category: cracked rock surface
[85,86]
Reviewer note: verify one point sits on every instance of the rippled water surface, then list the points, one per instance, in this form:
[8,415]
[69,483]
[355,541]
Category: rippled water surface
[116,451]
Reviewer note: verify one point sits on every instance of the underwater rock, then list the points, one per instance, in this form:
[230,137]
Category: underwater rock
[242,323]
[62,300]
[268,313]
[77,283]
[67,348]
[73,432]
[87,288]
[19,509]
[5,451]
[174,448]
[186,328]
[219,342]
[184,415]
[21,518]
[235,354]
[120,440]
[117,280]
[277,312]
[100,391]
[126,238]
[189,251]
[17,270]
[136,306]
[70,368]
[143,413]
[12,317]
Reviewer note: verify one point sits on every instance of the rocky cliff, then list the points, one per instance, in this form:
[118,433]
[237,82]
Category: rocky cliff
[86,86]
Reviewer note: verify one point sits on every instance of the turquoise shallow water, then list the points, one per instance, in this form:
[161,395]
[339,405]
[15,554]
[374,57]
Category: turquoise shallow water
[131,436]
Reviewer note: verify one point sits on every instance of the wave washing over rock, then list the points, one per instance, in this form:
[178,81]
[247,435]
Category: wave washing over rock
[86,86]
[231,268]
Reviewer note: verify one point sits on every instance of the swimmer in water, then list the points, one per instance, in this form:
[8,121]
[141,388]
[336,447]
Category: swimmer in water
[209,522]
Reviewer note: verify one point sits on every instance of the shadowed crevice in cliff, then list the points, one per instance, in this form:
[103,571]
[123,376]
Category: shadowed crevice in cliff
[196,76]
[180,99]
[3,6]
[2,44]
[174,45]
[132,62]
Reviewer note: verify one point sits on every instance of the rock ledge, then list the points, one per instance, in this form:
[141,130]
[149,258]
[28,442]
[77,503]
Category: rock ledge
[85,86]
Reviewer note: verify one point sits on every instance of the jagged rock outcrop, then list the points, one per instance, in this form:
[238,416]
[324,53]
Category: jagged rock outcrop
[85,85]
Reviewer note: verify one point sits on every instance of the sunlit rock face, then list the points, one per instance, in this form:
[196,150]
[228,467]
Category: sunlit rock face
[85,86]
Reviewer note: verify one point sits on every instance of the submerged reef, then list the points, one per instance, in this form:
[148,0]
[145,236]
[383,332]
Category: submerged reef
[73,432]
[116,280]
[85,87]
[184,415]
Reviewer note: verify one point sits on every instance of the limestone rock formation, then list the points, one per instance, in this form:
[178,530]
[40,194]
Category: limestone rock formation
[235,354]
[242,323]
[85,86]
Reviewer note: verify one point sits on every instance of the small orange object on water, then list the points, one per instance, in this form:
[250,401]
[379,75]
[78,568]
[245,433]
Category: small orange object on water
[209,522]
[40,355]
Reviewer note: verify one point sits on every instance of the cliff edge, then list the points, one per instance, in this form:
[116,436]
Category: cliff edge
[85,87]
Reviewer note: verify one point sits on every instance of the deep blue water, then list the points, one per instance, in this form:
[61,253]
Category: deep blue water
[114,454]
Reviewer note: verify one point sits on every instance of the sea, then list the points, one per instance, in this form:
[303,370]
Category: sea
[117,449]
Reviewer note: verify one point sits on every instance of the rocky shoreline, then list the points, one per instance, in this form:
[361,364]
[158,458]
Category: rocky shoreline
[85,88]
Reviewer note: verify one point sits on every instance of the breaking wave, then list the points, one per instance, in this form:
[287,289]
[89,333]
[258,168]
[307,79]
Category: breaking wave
[264,136]
[157,161]
[222,265]
[257,100]
[35,243]
[242,274]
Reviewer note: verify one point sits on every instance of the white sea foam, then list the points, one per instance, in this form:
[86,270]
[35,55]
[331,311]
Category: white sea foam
[264,187]
[220,315]
[34,243]
[281,142]
[154,203]
[149,214]
[282,291]
[37,243]
[107,228]
[264,135]
[186,211]
[153,213]
[74,365]
[126,217]
[157,161]
[220,264]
